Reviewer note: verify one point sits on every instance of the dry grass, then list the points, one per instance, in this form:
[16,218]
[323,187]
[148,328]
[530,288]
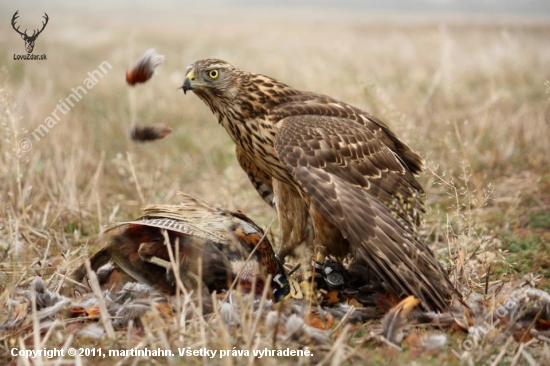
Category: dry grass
[472,97]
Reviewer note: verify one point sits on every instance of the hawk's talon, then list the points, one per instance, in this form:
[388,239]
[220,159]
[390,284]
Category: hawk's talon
[334,280]
[318,266]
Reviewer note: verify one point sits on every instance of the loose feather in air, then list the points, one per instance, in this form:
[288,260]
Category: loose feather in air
[149,133]
[144,68]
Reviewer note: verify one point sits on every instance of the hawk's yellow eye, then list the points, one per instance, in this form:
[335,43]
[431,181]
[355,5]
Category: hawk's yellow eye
[213,74]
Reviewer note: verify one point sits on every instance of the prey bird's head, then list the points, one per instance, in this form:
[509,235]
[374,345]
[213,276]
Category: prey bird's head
[215,81]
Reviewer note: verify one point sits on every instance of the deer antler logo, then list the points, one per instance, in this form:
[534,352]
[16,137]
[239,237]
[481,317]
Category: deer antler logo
[29,40]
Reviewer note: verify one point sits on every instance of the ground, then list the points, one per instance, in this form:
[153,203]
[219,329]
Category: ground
[470,95]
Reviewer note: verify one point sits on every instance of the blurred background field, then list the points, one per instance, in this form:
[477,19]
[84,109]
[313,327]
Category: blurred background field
[468,89]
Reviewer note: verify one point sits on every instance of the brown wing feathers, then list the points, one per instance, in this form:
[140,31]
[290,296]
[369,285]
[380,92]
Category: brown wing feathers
[310,104]
[349,186]
[355,154]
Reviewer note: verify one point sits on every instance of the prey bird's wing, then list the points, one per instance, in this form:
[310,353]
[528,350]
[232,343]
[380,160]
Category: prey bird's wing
[191,217]
[351,176]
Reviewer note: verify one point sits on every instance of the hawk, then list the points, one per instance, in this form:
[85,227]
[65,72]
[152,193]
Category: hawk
[340,179]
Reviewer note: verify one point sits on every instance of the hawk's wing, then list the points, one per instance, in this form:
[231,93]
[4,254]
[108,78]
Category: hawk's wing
[259,179]
[348,173]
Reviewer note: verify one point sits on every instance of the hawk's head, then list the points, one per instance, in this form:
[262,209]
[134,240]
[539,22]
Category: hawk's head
[215,81]
[228,90]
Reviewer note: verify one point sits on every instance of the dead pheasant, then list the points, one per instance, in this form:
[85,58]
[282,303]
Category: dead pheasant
[214,243]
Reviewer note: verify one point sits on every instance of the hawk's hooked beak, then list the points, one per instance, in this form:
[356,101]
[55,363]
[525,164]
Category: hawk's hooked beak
[189,82]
